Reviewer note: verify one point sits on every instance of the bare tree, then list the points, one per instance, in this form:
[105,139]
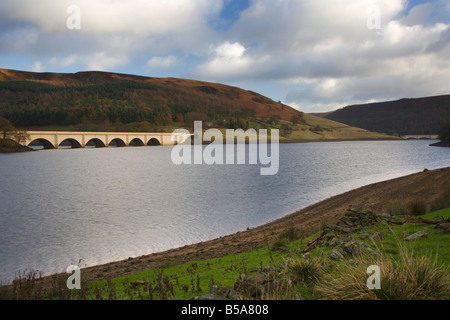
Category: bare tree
[21,136]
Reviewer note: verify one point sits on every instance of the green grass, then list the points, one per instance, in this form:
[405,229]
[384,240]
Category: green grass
[195,278]
[308,275]
[222,271]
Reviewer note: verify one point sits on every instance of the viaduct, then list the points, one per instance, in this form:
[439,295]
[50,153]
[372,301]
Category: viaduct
[56,139]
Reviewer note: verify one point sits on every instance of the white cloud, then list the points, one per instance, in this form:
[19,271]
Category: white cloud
[316,53]
[62,62]
[38,66]
[109,16]
[325,49]
[101,61]
[167,62]
[231,61]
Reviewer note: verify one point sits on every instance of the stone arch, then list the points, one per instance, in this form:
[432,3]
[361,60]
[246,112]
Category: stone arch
[95,143]
[136,142]
[73,143]
[153,142]
[41,143]
[117,142]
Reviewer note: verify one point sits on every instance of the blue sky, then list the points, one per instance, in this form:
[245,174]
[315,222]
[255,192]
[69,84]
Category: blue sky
[315,55]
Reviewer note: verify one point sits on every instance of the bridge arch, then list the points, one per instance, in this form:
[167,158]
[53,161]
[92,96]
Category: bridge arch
[41,143]
[95,143]
[117,142]
[153,142]
[70,142]
[136,142]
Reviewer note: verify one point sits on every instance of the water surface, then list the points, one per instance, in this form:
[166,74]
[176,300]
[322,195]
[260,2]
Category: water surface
[103,205]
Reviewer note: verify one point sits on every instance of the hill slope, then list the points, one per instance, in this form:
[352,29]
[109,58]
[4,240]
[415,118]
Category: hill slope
[51,98]
[102,101]
[404,117]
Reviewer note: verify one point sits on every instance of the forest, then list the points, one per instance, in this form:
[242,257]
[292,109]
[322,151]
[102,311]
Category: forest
[30,103]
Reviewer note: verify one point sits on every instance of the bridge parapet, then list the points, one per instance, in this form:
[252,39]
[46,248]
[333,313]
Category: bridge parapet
[421,136]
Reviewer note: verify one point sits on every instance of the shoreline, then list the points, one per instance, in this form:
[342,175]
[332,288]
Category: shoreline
[425,185]
[289,141]
[442,144]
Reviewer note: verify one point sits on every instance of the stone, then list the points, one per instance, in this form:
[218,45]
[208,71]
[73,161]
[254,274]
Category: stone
[337,254]
[443,226]
[327,237]
[208,297]
[224,292]
[417,235]
[368,249]
[353,248]
[340,229]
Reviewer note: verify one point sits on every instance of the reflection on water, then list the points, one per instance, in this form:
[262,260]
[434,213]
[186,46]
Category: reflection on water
[108,204]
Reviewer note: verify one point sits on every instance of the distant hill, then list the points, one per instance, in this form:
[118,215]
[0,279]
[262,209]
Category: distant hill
[425,116]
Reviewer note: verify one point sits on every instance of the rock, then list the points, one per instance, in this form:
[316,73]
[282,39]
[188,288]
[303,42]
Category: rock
[218,293]
[268,270]
[208,297]
[338,241]
[340,229]
[224,292]
[417,235]
[353,248]
[337,254]
[327,238]
[443,226]
[368,249]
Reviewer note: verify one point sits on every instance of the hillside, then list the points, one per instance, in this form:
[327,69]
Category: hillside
[102,101]
[418,116]
[30,99]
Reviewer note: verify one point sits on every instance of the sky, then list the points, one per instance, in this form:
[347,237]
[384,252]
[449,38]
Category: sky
[314,55]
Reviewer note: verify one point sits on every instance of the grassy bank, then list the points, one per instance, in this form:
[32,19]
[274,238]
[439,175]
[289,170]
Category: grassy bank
[330,264]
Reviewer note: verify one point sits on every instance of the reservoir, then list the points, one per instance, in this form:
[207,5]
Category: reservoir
[104,205]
